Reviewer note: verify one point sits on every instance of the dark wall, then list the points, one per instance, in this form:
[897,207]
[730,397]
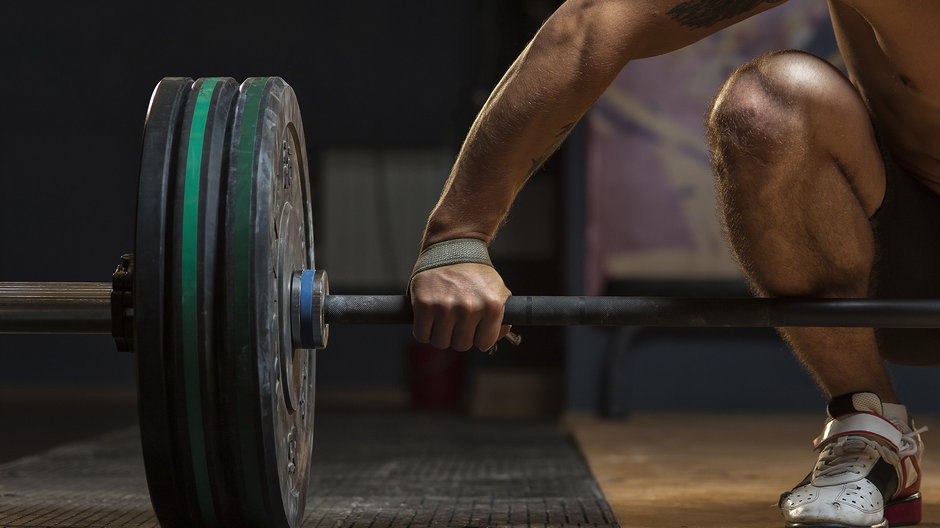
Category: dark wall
[78,77]
[381,71]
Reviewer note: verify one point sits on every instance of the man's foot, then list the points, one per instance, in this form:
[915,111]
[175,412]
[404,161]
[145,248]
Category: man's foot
[868,470]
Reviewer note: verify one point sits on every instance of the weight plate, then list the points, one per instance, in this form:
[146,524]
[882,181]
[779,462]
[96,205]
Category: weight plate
[157,171]
[187,398]
[268,229]
[193,264]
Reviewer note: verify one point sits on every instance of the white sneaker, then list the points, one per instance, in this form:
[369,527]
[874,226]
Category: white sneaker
[868,471]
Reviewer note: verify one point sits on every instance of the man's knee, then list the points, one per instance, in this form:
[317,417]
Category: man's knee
[772,108]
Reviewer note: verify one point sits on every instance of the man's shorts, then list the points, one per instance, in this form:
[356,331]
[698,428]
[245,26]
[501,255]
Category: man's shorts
[907,262]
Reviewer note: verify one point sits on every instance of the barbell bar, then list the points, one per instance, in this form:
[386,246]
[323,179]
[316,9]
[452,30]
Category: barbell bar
[224,306]
[85,308]
[663,311]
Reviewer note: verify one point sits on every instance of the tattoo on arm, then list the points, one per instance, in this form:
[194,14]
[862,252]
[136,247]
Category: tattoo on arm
[707,13]
[559,139]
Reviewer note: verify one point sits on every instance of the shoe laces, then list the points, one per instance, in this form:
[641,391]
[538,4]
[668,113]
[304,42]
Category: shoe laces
[857,454]
[849,454]
[910,441]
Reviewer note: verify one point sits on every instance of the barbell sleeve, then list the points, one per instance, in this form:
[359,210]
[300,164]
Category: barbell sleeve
[663,311]
[55,307]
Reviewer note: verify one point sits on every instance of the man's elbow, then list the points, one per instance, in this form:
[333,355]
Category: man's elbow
[597,31]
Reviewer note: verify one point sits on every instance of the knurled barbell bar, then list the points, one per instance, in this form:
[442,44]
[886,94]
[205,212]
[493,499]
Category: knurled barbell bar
[86,308]
[224,307]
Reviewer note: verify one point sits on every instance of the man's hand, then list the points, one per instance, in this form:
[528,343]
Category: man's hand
[459,306]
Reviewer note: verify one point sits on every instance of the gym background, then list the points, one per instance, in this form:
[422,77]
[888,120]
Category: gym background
[388,90]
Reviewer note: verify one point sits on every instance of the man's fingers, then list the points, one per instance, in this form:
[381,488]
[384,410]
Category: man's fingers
[458,306]
[443,328]
[489,330]
[504,330]
[465,329]
[423,322]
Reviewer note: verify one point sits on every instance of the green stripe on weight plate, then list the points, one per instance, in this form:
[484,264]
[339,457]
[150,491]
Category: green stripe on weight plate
[189,300]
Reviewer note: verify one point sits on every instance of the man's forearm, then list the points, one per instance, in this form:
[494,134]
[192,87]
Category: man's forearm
[565,68]
[529,114]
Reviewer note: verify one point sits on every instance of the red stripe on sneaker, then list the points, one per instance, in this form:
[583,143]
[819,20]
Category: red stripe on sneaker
[909,476]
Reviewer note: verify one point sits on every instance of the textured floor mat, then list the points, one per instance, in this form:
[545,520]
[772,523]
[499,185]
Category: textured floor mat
[369,470]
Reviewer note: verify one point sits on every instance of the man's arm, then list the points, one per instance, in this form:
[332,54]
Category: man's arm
[572,59]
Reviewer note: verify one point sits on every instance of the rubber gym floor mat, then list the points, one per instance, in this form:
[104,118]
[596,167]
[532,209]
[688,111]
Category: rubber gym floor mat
[371,470]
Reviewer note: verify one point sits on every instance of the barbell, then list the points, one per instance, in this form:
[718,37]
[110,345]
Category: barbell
[223,305]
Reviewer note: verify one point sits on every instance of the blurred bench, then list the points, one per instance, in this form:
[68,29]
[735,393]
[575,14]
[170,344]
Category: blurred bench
[620,354]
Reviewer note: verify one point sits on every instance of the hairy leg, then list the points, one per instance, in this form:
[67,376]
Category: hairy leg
[799,173]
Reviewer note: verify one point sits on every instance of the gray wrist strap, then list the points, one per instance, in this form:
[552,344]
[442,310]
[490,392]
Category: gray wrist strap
[448,252]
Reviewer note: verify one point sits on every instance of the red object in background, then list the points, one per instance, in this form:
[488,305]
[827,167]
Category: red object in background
[436,377]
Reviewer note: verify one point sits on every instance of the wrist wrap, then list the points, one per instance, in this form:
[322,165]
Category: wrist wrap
[448,252]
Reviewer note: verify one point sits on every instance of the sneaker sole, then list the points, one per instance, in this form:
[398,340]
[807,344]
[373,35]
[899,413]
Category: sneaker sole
[902,512]
[882,524]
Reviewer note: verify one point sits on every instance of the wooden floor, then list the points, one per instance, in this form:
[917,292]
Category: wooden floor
[711,471]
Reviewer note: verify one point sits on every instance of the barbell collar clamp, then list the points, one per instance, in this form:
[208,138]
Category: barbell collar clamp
[309,291]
